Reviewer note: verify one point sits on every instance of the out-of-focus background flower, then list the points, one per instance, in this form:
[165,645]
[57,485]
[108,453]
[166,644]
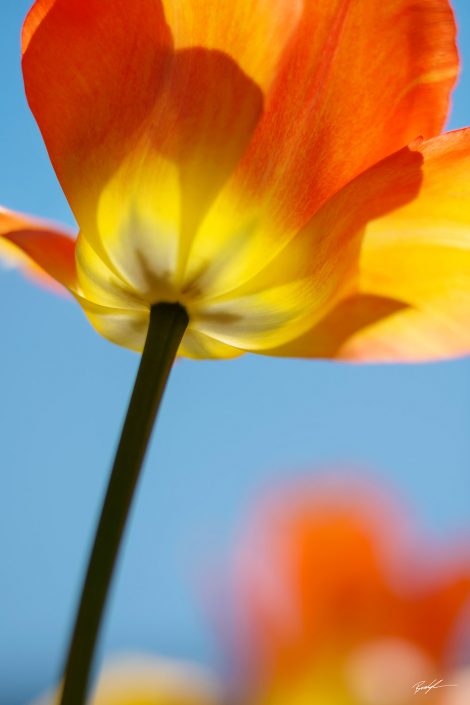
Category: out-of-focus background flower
[339,598]
[226,430]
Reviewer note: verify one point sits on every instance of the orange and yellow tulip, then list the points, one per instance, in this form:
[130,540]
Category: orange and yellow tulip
[273,166]
[349,604]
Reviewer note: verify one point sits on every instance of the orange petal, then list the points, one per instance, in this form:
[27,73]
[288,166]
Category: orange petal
[412,299]
[342,567]
[321,587]
[44,252]
[358,81]
[253,33]
[438,610]
[92,72]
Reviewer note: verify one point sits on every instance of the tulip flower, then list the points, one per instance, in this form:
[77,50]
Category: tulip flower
[340,599]
[273,167]
[263,176]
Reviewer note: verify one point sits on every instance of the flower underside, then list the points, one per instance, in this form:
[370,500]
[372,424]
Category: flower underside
[269,166]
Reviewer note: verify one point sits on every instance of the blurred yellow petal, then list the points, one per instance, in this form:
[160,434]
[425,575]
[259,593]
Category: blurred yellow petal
[151,681]
[147,680]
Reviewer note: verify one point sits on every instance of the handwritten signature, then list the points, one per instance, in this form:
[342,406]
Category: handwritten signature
[423,687]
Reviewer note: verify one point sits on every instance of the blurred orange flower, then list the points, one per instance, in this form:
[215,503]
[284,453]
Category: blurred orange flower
[339,602]
[271,165]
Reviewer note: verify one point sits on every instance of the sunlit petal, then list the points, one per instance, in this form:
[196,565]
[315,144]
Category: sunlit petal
[43,251]
[413,289]
[358,81]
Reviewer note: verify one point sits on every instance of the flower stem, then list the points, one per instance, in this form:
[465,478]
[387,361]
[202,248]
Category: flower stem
[167,325]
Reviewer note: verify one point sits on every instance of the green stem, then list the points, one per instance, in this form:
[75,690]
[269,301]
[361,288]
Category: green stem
[168,323]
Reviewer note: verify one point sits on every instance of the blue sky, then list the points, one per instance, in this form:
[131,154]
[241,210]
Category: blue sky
[227,430]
